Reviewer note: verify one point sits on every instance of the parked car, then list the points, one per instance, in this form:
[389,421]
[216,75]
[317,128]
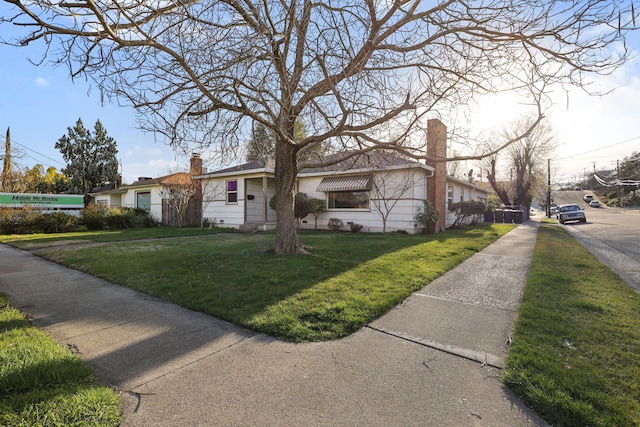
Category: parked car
[594,204]
[571,212]
[587,198]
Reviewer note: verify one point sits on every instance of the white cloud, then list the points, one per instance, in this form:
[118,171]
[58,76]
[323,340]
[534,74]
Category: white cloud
[152,168]
[145,151]
[41,81]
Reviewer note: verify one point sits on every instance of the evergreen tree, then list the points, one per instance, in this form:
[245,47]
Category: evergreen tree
[262,145]
[6,168]
[90,156]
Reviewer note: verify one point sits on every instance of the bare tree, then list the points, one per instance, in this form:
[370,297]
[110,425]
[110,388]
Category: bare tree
[388,187]
[364,74]
[525,161]
[178,190]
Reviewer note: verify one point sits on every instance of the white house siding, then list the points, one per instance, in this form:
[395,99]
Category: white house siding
[463,192]
[108,200]
[400,217]
[115,200]
[250,182]
[129,199]
[225,214]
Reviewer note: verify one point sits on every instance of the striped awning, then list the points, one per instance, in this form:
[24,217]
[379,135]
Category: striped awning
[345,183]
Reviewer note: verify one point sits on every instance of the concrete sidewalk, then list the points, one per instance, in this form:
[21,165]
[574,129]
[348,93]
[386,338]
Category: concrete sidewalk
[433,360]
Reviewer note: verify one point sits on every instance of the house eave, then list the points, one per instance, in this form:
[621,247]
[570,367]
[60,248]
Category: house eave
[257,172]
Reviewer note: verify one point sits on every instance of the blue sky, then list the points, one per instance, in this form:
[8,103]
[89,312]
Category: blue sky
[38,103]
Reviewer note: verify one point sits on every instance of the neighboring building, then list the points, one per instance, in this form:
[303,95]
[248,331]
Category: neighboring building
[369,190]
[147,194]
[68,203]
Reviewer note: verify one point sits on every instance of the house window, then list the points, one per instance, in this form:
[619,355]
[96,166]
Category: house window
[232,191]
[449,195]
[348,199]
[143,201]
[102,203]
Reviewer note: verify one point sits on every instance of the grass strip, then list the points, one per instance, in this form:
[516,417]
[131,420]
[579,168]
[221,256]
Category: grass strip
[575,357]
[37,241]
[43,384]
[349,280]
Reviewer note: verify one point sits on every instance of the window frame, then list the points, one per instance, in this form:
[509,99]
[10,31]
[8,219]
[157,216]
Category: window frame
[140,193]
[361,208]
[229,192]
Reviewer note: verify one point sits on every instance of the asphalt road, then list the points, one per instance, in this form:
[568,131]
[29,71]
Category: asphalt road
[614,232]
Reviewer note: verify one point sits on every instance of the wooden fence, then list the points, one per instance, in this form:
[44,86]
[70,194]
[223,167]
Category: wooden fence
[192,215]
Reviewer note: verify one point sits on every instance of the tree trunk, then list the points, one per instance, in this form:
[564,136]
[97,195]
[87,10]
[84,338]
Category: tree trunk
[286,172]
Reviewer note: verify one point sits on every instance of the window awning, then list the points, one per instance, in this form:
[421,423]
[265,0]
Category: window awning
[345,183]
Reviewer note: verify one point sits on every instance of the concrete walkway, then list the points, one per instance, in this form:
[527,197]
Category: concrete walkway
[434,360]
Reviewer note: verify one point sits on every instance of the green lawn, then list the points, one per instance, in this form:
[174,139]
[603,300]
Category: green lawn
[36,241]
[576,346]
[43,384]
[347,281]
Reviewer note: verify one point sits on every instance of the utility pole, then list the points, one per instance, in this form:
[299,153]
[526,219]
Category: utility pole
[618,181]
[548,188]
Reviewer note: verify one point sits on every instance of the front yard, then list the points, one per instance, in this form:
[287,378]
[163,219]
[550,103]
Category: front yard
[349,280]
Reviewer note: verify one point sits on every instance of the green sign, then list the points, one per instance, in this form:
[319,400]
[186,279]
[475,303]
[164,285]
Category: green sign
[50,201]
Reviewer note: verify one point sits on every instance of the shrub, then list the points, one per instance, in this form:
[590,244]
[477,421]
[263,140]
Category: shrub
[355,227]
[468,209]
[56,222]
[100,217]
[19,220]
[301,207]
[428,216]
[119,218]
[335,224]
[93,217]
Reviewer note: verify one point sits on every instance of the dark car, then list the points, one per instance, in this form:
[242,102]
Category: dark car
[572,212]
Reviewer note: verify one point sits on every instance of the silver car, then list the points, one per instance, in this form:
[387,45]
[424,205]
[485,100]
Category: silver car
[572,212]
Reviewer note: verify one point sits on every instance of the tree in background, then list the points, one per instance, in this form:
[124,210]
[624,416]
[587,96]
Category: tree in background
[90,156]
[36,180]
[55,182]
[261,146]
[524,161]
[6,164]
[364,74]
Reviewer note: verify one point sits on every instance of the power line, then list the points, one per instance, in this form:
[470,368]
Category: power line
[598,149]
[34,151]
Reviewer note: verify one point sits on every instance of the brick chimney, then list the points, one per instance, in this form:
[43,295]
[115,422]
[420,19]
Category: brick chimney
[195,164]
[437,184]
[195,168]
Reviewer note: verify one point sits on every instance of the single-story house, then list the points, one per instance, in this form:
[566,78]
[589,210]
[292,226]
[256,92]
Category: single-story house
[379,191]
[150,194]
